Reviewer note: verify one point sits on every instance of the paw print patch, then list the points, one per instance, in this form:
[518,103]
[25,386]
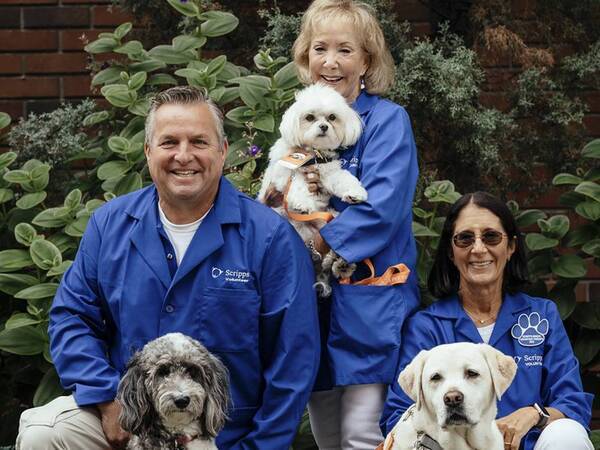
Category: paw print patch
[530,330]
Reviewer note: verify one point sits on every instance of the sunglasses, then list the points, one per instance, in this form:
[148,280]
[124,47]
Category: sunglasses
[465,239]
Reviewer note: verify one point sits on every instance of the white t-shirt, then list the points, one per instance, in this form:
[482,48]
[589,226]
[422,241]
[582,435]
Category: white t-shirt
[486,332]
[180,235]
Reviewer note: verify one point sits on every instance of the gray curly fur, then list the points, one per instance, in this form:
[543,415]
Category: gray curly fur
[171,369]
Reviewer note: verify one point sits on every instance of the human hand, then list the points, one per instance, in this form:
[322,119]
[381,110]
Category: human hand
[115,435]
[320,245]
[311,174]
[516,425]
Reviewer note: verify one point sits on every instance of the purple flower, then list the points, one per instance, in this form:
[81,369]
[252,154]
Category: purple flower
[254,150]
[183,1]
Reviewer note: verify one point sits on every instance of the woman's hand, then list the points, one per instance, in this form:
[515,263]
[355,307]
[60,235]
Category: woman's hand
[516,425]
[115,435]
[311,174]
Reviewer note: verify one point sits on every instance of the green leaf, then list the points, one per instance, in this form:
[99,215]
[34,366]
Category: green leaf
[587,315]
[28,201]
[42,290]
[539,265]
[119,145]
[4,120]
[73,199]
[582,234]
[555,227]
[122,30]
[45,254]
[188,8]
[77,227]
[169,55]
[60,269]
[587,346]
[229,95]
[569,266]
[119,95]
[25,234]
[40,176]
[529,217]
[160,79]
[140,108]
[112,169]
[592,149]
[19,320]
[129,183]
[563,295]
[48,389]
[12,260]
[217,23]
[592,248]
[565,178]
[253,89]
[11,283]
[131,48]
[24,341]
[239,114]
[420,230]
[216,65]
[537,241]
[571,199]
[148,65]
[229,72]
[186,42]
[102,45]
[6,159]
[589,209]
[286,77]
[17,176]
[265,122]
[137,80]
[441,191]
[63,242]
[52,217]
[589,189]
[6,195]
[96,118]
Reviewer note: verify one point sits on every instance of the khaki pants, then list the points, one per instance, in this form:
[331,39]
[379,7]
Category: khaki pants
[61,424]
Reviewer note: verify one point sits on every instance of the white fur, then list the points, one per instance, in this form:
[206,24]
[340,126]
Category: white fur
[468,426]
[334,126]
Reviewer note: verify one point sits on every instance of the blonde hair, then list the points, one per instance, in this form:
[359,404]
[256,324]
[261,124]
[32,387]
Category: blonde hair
[381,69]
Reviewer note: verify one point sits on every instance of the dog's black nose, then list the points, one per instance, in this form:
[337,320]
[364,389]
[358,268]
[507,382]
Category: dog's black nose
[182,401]
[323,127]
[453,398]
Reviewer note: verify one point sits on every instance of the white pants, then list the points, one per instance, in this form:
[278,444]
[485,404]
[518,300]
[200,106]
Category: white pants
[61,425]
[347,417]
[564,434]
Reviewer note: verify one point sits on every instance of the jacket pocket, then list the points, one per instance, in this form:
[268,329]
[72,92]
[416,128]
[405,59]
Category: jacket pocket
[229,319]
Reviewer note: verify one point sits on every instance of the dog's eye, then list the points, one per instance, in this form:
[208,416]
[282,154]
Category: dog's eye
[163,371]
[472,374]
[331,117]
[310,117]
[193,372]
[435,377]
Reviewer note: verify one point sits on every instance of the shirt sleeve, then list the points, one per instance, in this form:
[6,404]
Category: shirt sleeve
[416,336]
[289,341]
[78,331]
[388,171]
[561,380]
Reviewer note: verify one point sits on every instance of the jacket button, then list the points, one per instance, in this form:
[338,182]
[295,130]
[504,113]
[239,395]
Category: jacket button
[169,256]
[169,308]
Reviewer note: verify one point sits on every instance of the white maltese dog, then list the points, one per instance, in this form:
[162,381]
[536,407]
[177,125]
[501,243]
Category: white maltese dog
[313,130]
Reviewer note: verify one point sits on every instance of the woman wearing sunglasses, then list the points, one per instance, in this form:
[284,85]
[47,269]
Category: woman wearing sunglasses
[479,267]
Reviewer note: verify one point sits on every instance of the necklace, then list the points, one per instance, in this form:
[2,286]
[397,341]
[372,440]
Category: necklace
[477,319]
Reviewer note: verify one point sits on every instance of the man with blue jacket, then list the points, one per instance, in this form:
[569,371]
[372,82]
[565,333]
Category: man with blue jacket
[188,253]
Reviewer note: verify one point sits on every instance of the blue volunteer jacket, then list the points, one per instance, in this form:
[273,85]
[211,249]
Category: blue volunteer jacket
[244,289]
[361,325]
[527,328]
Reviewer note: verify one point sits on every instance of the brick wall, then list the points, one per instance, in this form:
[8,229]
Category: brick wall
[42,61]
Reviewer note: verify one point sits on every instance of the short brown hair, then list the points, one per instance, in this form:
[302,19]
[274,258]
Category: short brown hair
[183,95]
[381,69]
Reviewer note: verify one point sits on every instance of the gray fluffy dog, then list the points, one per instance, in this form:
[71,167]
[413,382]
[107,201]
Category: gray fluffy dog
[174,395]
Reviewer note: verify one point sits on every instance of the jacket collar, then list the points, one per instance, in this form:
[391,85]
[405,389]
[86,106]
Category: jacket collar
[364,102]
[451,308]
[208,238]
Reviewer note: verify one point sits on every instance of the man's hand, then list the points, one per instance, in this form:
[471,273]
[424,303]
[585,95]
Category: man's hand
[516,425]
[115,435]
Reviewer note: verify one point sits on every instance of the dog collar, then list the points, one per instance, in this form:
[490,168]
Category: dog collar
[426,442]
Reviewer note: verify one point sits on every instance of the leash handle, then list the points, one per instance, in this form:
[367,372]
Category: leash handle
[393,275]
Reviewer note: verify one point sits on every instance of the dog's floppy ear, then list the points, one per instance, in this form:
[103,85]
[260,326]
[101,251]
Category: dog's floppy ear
[217,395]
[410,378]
[352,128]
[502,368]
[137,411]
[290,126]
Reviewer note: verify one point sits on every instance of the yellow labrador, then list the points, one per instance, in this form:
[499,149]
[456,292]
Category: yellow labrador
[455,387]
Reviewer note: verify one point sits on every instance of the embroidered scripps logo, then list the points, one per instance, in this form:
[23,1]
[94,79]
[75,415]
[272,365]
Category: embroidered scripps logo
[530,330]
[216,272]
[353,162]
[237,276]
